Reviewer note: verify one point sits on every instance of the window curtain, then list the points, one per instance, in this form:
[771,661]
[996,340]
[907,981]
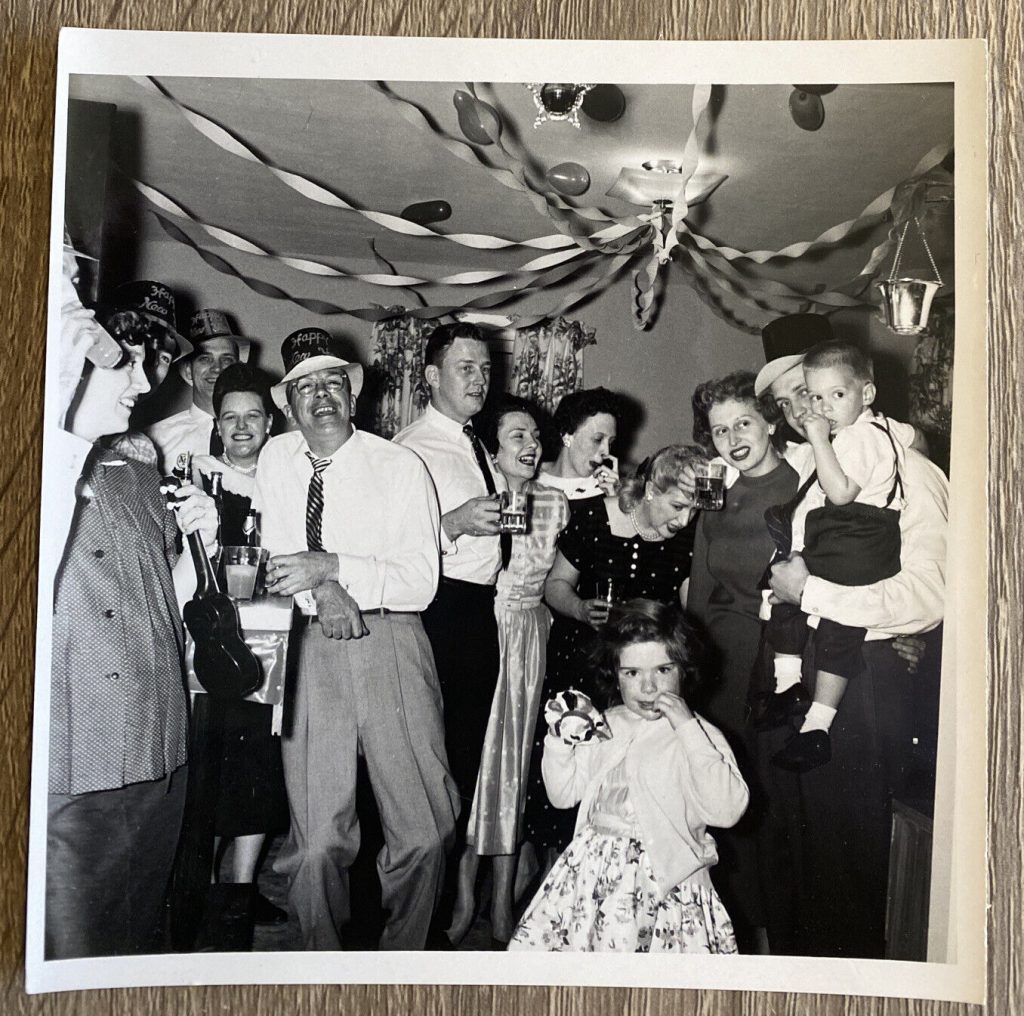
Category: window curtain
[547,361]
[398,346]
[931,374]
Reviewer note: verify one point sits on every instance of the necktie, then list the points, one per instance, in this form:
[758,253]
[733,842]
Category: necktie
[315,503]
[505,539]
[216,445]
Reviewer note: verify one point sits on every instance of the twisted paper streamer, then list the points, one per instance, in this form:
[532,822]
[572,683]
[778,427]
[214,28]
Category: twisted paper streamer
[315,192]
[610,268]
[239,243]
[874,210]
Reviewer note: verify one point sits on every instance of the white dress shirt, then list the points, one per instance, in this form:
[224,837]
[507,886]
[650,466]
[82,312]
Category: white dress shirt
[913,601]
[380,517]
[440,442]
[187,431]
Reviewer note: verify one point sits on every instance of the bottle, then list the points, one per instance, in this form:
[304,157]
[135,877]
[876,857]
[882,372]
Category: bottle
[251,528]
[216,480]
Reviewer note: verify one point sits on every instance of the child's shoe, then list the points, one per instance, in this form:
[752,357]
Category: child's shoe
[773,709]
[804,752]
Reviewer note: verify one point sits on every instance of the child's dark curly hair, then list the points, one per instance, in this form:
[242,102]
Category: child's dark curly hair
[645,621]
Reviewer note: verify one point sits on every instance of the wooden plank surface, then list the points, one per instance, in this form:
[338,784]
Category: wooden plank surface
[27,68]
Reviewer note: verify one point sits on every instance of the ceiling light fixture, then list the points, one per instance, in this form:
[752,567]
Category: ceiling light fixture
[558,102]
[657,182]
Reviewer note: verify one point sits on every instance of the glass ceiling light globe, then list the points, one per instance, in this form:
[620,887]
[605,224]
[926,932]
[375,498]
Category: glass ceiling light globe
[559,102]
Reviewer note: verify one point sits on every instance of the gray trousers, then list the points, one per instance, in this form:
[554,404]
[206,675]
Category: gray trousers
[378,695]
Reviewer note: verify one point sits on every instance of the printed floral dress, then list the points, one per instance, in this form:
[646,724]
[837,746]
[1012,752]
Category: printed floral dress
[601,895]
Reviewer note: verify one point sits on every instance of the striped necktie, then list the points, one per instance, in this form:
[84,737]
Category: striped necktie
[504,539]
[315,503]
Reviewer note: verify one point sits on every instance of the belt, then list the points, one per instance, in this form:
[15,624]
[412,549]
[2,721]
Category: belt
[374,612]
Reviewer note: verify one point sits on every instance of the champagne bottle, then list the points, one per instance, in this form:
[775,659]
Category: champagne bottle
[251,528]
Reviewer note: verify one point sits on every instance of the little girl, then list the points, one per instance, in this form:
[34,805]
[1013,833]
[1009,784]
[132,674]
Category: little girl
[635,877]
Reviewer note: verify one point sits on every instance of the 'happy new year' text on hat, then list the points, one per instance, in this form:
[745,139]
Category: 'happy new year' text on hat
[785,341]
[205,325]
[309,350]
[152,301]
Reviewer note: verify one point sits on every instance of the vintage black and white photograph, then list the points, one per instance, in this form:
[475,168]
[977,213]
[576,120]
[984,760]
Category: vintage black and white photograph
[487,516]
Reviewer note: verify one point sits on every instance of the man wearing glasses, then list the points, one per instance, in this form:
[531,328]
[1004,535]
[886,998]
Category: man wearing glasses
[352,527]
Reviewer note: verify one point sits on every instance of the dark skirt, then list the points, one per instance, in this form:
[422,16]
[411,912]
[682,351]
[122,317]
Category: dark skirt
[252,795]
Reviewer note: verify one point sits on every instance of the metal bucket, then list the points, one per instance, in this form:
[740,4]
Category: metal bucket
[906,303]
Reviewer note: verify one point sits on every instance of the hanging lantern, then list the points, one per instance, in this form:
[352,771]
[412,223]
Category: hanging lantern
[905,301]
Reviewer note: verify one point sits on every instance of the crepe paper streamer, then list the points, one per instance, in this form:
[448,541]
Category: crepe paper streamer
[707,296]
[875,210]
[377,313]
[315,192]
[519,160]
[239,243]
[383,262]
[691,154]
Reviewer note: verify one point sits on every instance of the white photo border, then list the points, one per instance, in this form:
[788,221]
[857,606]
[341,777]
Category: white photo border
[960,806]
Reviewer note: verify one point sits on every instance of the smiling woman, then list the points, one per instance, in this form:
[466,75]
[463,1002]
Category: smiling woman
[731,551]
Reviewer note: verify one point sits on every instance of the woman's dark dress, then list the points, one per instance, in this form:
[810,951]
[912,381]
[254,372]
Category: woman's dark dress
[252,795]
[730,555]
[639,568]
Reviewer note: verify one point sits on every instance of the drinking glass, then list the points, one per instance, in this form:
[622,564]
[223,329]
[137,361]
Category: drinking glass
[710,483]
[241,565]
[513,512]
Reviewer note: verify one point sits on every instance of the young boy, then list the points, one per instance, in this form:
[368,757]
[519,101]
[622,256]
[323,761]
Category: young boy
[846,528]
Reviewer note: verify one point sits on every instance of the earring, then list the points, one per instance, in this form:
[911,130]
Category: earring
[566,440]
[649,496]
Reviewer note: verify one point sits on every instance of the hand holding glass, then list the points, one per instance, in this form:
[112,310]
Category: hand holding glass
[241,565]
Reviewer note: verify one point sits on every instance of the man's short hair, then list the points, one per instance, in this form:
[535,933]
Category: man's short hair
[841,354]
[444,335]
[577,407]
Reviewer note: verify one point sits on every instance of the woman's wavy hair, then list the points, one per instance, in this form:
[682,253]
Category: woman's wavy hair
[738,386]
[489,423]
[664,469]
[643,620]
[242,377]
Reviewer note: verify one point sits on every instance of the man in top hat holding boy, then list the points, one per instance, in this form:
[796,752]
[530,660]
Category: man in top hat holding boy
[352,527]
[827,833]
[216,346]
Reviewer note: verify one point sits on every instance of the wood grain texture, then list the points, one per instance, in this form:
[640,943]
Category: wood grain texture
[27,68]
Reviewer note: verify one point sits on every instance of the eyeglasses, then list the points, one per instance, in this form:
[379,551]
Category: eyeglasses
[307,387]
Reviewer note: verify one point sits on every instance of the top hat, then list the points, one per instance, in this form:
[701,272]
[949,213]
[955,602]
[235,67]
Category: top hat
[309,350]
[786,341]
[153,301]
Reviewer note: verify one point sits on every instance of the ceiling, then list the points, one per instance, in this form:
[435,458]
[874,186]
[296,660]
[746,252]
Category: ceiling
[784,184]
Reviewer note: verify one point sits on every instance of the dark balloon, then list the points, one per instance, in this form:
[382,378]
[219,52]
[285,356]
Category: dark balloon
[424,212]
[816,89]
[808,110]
[605,103]
[569,178]
[477,120]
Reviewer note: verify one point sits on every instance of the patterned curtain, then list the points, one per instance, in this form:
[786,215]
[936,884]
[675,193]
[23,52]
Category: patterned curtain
[398,346]
[931,374]
[547,361]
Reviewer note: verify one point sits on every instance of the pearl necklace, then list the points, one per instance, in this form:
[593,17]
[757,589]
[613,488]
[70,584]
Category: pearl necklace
[244,470]
[649,535]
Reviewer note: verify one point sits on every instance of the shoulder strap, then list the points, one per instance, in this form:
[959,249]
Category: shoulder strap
[897,483]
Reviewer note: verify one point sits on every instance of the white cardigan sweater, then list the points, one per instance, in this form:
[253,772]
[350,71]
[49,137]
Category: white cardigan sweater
[680,782]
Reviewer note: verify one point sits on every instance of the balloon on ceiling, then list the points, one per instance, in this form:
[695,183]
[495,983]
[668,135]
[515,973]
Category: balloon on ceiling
[604,103]
[424,212]
[806,107]
[589,241]
[569,178]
